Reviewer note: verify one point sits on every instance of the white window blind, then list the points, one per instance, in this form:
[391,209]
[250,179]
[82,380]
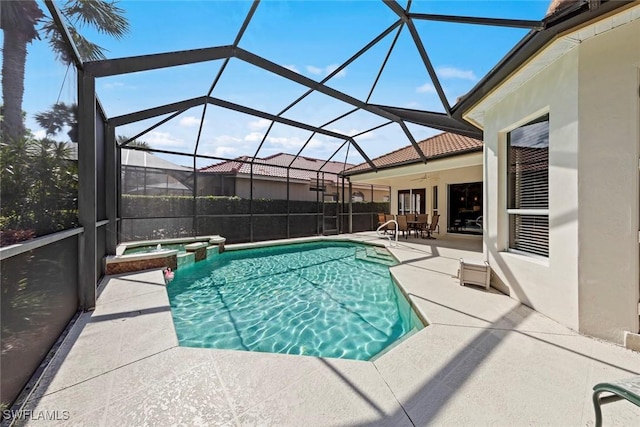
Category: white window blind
[528,187]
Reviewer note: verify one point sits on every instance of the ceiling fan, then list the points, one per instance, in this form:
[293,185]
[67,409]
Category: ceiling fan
[420,178]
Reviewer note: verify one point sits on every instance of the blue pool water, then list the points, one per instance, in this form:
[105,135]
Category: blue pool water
[330,299]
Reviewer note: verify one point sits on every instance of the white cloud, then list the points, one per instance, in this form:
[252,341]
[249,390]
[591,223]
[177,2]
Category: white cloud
[163,139]
[116,85]
[224,151]
[351,132]
[325,71]
[367,135]
[456,73]
[331,68]
[254,137]
[412,104]
[259,124]
[292,68]
[39,134]
[189,121]
[426,88]
[314,70]
[286,143]
[225,139]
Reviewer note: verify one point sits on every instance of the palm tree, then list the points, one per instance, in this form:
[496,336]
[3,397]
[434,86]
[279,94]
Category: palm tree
[19,20]
[135,143]
[60,115]
[103,15]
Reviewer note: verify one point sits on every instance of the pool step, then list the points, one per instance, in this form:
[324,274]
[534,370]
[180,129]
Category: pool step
[376,255]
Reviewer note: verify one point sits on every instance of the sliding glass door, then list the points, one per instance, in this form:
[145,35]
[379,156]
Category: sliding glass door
[465,208]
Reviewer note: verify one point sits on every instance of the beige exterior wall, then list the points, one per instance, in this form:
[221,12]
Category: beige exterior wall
[549,286]
[590,280]
[609,116]
[277,189]
[274,189]
[464,168]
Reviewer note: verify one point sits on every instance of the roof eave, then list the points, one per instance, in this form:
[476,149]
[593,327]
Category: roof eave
[413,161]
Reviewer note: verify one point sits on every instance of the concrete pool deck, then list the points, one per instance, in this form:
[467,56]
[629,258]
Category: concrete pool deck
[484,360]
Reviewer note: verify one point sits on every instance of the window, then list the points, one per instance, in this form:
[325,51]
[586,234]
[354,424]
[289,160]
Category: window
[357,196]
[411,201]
[434,200]
[528,187]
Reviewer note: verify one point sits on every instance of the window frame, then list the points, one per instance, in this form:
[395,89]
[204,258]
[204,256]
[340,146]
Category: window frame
[510,211]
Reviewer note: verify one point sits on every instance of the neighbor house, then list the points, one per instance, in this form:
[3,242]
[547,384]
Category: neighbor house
[146,174]
[561,118]
[308,179]
[448,184]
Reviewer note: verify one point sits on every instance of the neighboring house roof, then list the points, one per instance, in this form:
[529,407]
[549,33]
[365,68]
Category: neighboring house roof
[276,166]
[442,145]
[557,5]
[143,159]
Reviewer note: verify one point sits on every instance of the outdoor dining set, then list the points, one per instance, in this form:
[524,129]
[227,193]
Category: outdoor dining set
[417,224]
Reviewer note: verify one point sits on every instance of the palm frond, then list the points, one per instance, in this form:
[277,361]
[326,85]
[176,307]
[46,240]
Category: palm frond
[22,16]
[102,15]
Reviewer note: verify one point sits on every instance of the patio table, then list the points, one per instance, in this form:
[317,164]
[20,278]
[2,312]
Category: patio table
[416,226]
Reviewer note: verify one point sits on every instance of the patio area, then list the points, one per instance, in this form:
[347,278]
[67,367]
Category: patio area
[484,359]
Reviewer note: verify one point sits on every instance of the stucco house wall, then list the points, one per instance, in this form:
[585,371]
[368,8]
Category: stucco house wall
[549,286]
[273,189]
[589,282]
[609,121]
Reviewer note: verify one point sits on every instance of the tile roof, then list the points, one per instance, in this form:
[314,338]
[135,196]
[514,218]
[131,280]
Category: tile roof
[275,165]
[141,158]
[441,145]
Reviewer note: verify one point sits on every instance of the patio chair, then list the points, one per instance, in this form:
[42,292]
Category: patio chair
[429,230]
[628,389]
[391,227]
[403,225]
[381,220]
[423,220]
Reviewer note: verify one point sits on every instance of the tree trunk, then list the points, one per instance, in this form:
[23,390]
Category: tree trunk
[13,66]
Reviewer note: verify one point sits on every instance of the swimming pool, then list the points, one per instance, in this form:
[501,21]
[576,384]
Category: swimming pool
[329,299]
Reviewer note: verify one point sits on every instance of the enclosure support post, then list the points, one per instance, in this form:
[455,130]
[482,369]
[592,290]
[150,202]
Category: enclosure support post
[251,202]
[317,203]
[111,184]
[350,206]
[87,190]
[341,206]
[288,207]
[324,189]
[373,208]
[194,227]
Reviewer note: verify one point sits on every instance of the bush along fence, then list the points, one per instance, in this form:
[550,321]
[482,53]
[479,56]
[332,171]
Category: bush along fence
[237,219]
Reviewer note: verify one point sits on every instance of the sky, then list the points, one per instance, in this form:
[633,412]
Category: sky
[311,38]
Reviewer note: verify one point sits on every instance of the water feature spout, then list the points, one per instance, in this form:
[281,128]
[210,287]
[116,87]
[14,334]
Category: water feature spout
[159,247]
